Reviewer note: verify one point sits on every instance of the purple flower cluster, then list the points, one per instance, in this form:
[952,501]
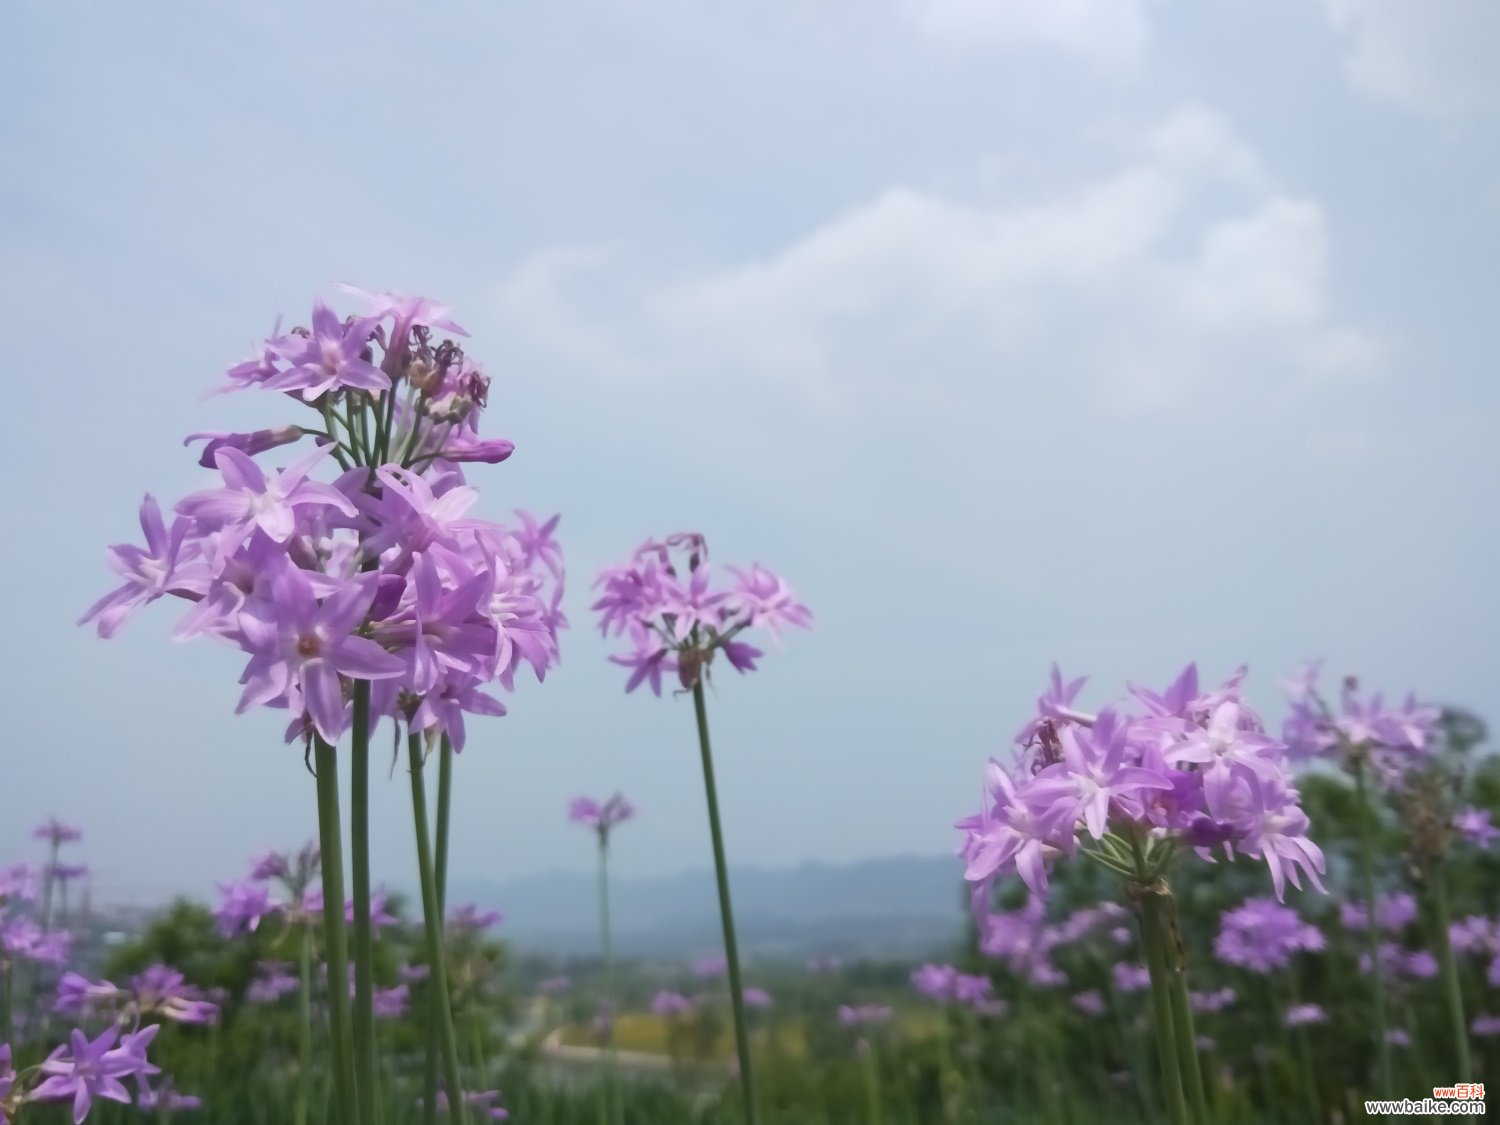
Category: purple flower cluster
[1393,913]
[947,985]
[863,1015]
[1394,738]
[1024,941]
[378,574]
[272,981]
[677,622]
[84,1069]
[602,816]
[1262,935]
[666,1003]
[159,991]
[1189,768]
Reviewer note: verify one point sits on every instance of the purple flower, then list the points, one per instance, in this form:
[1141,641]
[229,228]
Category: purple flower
[87,1069]
[329,358]
[148,573]
[163,991]
[714,965]
[242,906]
[299,643]
[17,883]
[166,1099]
[250,501]
[670,1004]
[1300,1015]
[273,980]
[863,1014]
[1485,1026]
[1393,913]
[677,622]
[1212,1001]
[411,974]
[21,939]
[1398,1037]
[249,444]
[1095,771]
[601,817]
[1089,1002]
[756,997]
[469,919]
[77,995]
[554,985]
[269,865]
[390,1003]
[1261,935]
[1474,934]
[1130,978]
[1474,826]
[56,833]
[379,916]
[1054,703]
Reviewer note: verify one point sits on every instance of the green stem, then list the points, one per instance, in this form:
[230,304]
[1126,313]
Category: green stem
[433,918]
[1304,1049]
[726,912]
[872,1080]
[7,1003]
[305,1060]
[1450,973]
[330,840]
[1153,942]
[1377,977]
[444,804]
[1182,1007]
[611,1063]
[364,941]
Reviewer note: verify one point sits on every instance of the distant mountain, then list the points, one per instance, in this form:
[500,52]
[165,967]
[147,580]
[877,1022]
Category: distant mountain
[904,906]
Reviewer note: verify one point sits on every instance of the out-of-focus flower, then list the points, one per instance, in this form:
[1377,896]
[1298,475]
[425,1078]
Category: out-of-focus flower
[666,1003]
[1089,1002]
[1301,1014]
[1263,935]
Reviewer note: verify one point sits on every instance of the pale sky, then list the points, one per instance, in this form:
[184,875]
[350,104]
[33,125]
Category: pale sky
[1117,332]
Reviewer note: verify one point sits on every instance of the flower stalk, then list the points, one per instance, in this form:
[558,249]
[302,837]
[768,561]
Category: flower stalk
[726,910]
[433,923]
[330,842]
[1452,990]
[364,943]
[1372,933]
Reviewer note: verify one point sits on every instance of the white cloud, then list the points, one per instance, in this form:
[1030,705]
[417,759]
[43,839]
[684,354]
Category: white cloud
[1107,31]
[1436,55]
[1179,274]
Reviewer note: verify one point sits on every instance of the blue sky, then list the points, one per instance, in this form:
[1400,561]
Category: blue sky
[1117,332]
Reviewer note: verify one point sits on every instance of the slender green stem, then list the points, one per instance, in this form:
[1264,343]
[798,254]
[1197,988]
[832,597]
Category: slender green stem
[726,912]
[364,941]
[611,1060]
[1372,934]
[304,1041]
[440,874]
[433,918]
[330,840]
[871,1073]
[1304,1050]
[1153,941]
[1187,1038]
[1450,973]
[7,1003]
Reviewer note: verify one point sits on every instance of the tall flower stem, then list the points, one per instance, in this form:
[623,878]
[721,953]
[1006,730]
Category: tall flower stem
[304,1032]
[440,875]
[1153,941]
[364,943]
[1182,1007]
[726,912]
[433,918]
[611,1064]
[1367,871]
[7,1003]
[870,1071]
[1304,1049]
[1450,972]
[330,841]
